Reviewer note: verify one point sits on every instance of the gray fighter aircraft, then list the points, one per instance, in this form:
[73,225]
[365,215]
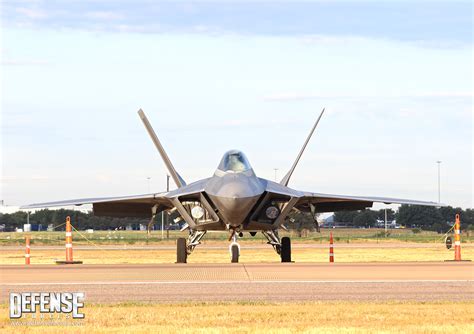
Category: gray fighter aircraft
[233,199]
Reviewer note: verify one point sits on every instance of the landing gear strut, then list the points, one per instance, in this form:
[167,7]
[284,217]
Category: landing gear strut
[183,248]
[282,247]
[234,248]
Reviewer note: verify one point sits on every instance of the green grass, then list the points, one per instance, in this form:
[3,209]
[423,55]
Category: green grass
[262,317]
[141,238]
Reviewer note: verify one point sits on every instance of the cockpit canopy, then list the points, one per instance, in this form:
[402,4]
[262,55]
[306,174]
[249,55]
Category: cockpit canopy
[234,161]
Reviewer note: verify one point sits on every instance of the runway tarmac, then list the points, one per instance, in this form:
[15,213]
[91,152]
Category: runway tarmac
[248,282]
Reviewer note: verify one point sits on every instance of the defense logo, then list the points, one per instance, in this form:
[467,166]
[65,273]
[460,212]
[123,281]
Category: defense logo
[46,303]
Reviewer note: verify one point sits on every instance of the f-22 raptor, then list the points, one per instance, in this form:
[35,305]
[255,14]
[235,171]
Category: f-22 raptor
[234,199]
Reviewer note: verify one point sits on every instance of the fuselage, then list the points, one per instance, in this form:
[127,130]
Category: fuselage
[234,195]
[233,198]
[234,188]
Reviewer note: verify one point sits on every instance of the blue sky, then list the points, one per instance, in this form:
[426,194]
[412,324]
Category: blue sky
[395,77]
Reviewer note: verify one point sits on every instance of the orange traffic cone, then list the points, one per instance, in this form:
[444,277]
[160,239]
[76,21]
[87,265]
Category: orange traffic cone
[331,248]
[457,240]
[69,259]
[27,250]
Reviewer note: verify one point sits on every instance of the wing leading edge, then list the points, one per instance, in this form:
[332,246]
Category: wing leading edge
[331,202]
[138,206]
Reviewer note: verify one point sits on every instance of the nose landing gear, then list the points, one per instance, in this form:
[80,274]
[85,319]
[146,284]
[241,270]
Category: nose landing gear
[234,253]
[234,247]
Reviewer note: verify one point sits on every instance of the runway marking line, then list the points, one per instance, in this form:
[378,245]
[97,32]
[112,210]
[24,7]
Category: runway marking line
[234,282]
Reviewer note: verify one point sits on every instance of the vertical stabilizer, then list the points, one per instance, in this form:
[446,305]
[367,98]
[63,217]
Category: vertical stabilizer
[287,177]
[174,174]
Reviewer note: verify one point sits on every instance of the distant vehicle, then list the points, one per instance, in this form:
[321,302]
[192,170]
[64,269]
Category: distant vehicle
[233,199]
[174,227]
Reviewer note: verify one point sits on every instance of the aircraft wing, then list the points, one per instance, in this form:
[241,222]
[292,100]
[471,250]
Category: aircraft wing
[331,203]
[138,206]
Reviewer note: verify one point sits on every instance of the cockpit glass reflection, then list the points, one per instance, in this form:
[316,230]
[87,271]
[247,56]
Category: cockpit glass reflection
[234,161]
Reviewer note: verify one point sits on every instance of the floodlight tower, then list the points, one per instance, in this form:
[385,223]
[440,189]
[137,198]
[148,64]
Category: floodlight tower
[439,180]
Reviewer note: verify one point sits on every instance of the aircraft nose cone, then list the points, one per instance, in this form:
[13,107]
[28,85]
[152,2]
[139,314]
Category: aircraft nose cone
[234,210]
[234,196]
[236,190]
[234,186]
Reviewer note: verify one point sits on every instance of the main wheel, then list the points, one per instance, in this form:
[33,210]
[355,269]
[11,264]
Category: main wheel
[285,249]
[234,249]
[181,251]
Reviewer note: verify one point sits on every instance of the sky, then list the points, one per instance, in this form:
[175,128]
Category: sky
[396,79]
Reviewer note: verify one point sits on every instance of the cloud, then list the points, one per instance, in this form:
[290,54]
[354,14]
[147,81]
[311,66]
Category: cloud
[24,62]
[15,178]
[293,96]
[32,13]
[331,39]
[446,94]
[104,15]
[301,96]
[437,25]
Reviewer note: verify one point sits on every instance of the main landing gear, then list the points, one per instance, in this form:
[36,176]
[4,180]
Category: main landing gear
[183,248]
[181,251]
[282,247]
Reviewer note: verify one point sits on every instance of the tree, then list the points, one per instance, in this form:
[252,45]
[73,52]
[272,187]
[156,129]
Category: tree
[419,216]
[428,218]
[449,214]
[365,218]
[44,216]
[345,216]
[437,227]
[301,221]
[390,214]
[467,217]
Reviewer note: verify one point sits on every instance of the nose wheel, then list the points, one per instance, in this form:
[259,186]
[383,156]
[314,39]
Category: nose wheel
[234,248]
[235,252]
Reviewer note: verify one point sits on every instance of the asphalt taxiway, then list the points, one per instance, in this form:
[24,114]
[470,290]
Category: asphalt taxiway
[248,282]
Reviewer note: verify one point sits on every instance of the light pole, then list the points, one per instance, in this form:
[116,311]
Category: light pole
[148,182]
[439,180]
[167,190]
[385,222]
[163,212]
[162,224]
[276,170]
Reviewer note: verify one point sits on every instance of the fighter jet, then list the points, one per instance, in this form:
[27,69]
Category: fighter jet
[234,199]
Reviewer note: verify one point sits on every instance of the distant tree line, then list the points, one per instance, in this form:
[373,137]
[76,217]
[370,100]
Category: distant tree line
[80,220]
[426,218]
[411,216]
